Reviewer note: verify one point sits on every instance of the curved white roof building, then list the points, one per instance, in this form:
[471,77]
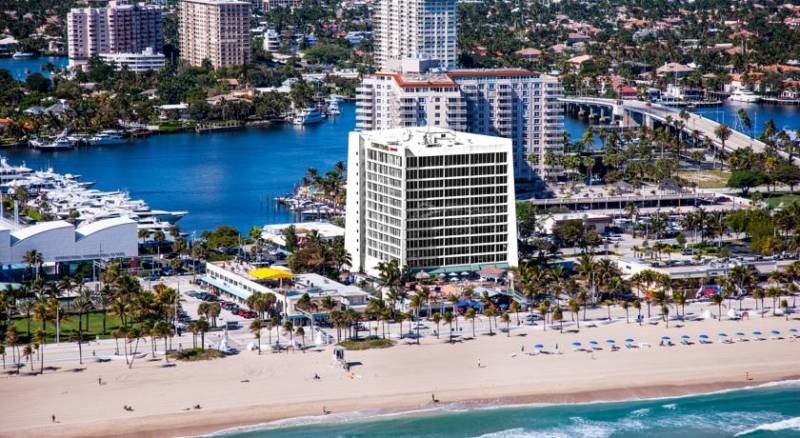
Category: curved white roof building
[60,241]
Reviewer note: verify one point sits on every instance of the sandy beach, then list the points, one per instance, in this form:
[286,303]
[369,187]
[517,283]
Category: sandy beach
[249,389]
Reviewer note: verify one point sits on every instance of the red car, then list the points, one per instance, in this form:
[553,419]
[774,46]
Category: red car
[247,314]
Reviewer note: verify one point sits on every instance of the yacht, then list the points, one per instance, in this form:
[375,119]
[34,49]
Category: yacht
[308,116]
[59,144]
[106,138]
[744,96]
[22,55]
[333,107]
[11,173]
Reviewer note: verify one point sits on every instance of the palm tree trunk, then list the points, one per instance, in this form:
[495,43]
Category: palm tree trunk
[166,356]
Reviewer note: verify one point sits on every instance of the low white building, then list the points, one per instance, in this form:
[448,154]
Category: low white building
[274,233]
[590,220]
[60,241]
[272,41]
[136,62]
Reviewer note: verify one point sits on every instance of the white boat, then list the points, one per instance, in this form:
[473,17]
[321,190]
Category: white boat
[333,107]
[308,116]
[22,55]
[59,144]
[106,138]
[744,96]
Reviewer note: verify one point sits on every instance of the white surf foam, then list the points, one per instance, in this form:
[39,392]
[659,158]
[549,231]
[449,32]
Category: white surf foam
[788,424]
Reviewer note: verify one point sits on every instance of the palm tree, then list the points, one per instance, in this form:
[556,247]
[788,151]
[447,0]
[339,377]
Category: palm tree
[164,330]
[39,338]
[717,299]
[202,328]
[255,329]
[544,308]
[558,316]
[506,319]
[470,314]
[575,308]
[134,335]
[723,133]
[448,319]
[490,313]
[665,313]
[34,260]
[302,333]
[416,304]
[514,307]
[609,304]
[436,318]
[11,341]
[625,305]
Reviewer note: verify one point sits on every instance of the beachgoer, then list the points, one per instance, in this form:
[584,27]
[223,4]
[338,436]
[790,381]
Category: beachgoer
[479,363]
[522,348]
[99,380]
[433,399]
[54,418]
[316,376]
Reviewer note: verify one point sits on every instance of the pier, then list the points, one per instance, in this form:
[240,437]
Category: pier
[202,128]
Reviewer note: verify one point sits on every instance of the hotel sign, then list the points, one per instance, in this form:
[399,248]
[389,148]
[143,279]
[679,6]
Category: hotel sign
[112,255]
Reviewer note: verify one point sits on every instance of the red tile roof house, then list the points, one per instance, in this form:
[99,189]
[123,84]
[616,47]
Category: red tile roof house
[627,93]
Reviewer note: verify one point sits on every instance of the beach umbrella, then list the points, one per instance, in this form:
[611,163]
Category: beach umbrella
[792,330]
[610,341]
[723,335]
[465,273]
[422,275]
[757,333]
[666,338]
[739,333]
[442,275]
[271,274]
[538,346]
[453,274]
[576,344]
[629,340]
[775,332]
[685,337]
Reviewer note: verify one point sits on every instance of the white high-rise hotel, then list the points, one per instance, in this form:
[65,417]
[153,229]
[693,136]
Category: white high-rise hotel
[430,198]
[511,103]
[415,29]
[418,85]
[117,28]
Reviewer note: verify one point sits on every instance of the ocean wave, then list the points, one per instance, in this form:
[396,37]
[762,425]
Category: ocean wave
[730,422]
[788,424]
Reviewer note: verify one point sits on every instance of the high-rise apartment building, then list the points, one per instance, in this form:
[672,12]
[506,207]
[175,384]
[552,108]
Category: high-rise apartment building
[430,198]
[511,103]
[216,30]
[116,28]
[415,29]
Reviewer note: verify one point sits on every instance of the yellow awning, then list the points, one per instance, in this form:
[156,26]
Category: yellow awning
[271,274]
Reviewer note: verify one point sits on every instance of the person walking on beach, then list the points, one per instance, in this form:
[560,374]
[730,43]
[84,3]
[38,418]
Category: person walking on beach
[479,363]
[53,417]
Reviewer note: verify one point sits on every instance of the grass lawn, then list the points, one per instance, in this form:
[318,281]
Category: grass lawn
[194,354]
[69,327]
[706,179]
[786,198]
[366,344]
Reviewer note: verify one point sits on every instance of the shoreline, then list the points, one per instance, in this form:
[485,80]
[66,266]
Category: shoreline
[222,422]
[250,392]
[640,394]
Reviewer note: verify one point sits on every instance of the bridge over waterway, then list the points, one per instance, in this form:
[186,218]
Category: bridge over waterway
[649,113]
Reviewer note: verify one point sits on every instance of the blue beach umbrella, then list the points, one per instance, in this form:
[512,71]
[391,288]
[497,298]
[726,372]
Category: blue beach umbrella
[666,338]
[593,343]
[576,344]
[723,335]
[629,340]
[703,336]
[538,346]
[685,337]
[757,333]
[792,330]
[610,341]
[739,334]
[775,332]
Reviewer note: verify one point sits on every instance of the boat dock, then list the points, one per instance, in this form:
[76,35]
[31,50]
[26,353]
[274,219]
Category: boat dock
[202,128]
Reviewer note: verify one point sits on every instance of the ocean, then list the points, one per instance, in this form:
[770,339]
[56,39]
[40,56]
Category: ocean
[770,410]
